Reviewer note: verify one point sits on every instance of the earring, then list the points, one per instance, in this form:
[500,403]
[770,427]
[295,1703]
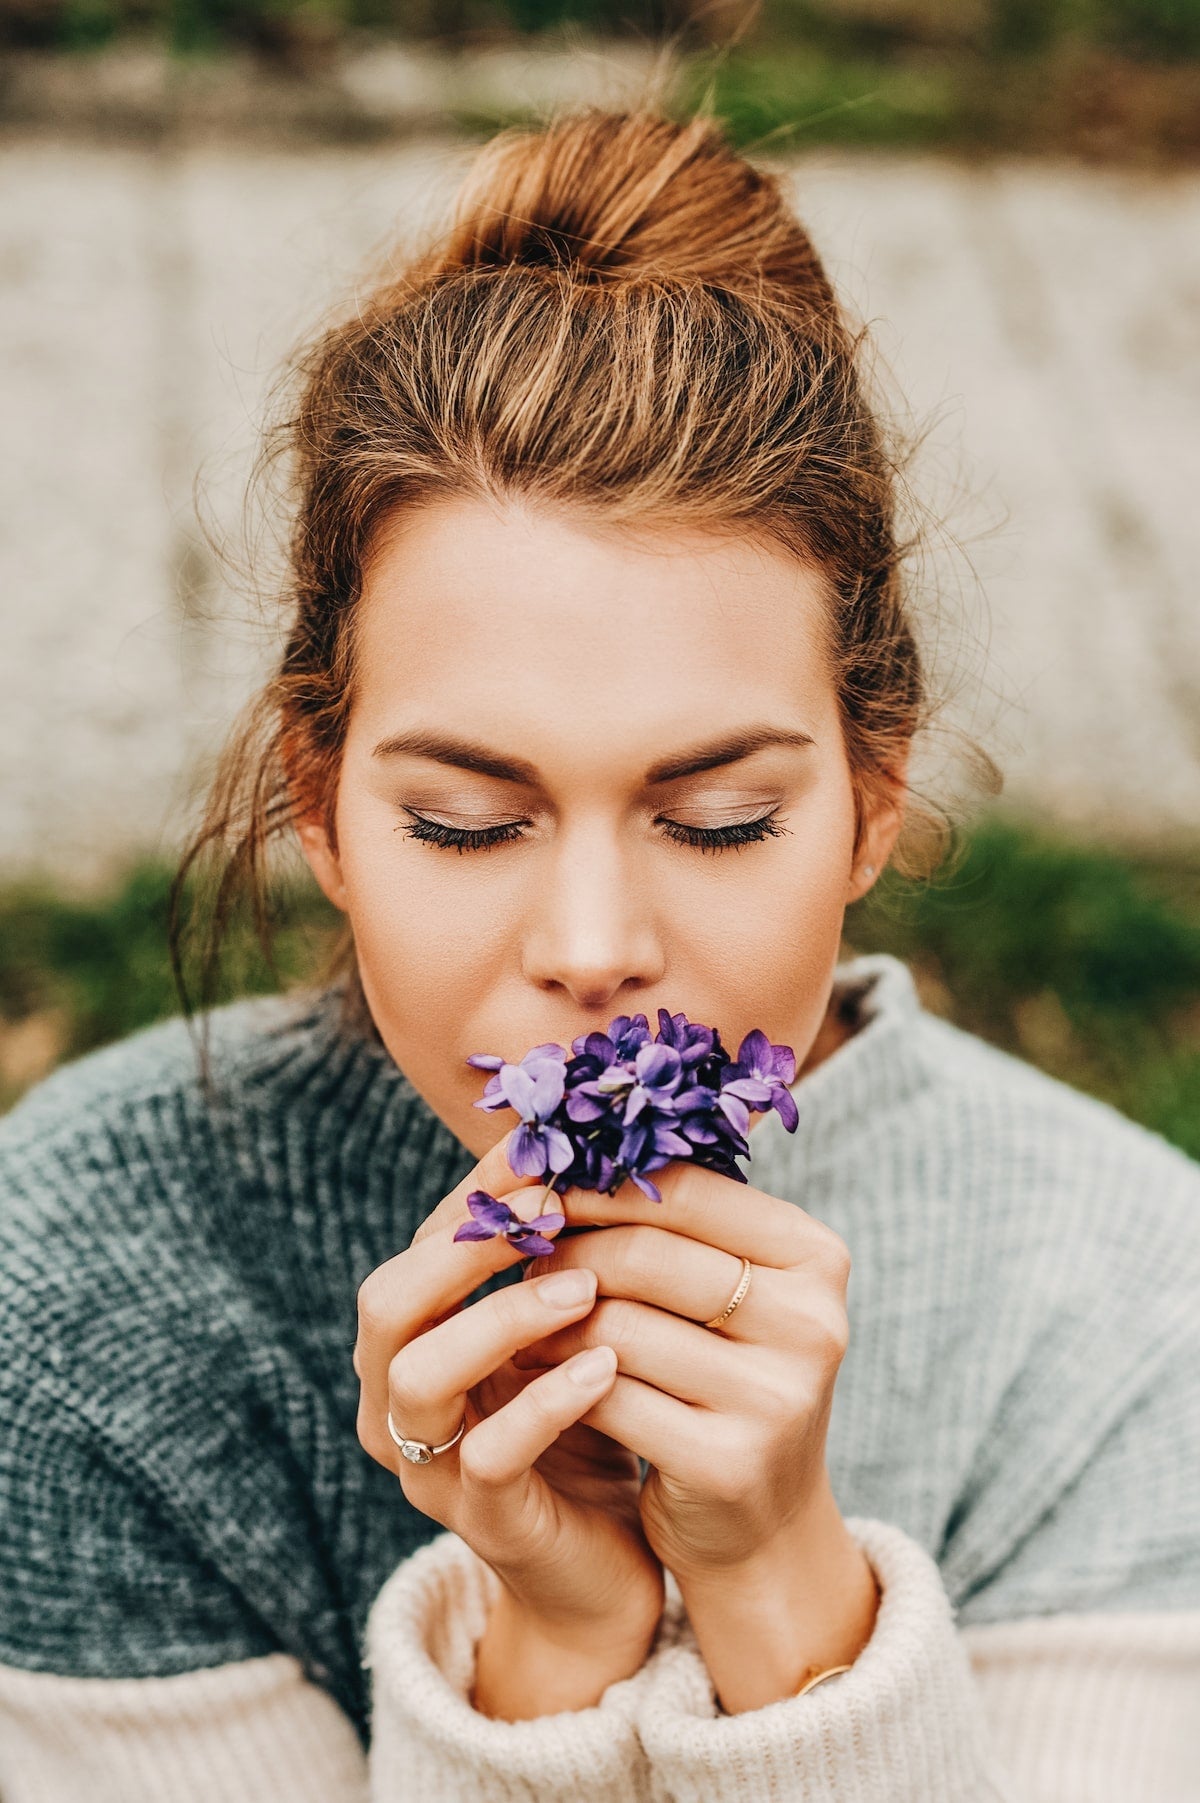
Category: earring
[868,870]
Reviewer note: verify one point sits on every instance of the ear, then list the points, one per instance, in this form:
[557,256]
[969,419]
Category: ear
[319,854]
[322,859]
[883,816]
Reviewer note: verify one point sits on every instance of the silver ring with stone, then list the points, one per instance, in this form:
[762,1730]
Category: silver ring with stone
[419,1452]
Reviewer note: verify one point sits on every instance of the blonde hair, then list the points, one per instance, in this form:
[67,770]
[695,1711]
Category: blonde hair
[626,318]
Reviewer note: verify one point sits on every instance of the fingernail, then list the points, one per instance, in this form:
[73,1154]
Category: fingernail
[592,1366]
[564,1288]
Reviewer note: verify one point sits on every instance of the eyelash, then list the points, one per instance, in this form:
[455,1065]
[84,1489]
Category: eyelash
[718,838]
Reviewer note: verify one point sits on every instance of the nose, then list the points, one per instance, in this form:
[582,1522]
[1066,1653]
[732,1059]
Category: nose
[592,929]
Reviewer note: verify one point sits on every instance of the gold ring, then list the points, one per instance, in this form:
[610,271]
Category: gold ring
[743,1286]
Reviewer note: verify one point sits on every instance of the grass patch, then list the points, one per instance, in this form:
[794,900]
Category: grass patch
[1075,98]
[76,974]
[802,96]
[1081,960]
[1084,962]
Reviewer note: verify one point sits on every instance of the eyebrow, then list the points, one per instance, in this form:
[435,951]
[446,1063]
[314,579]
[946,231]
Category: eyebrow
[462,754]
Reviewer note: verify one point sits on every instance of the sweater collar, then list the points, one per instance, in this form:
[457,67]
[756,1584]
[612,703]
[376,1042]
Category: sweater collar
[878,1069]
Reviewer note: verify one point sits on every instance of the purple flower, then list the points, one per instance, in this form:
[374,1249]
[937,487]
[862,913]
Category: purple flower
[534,1088]
[494,1088]
[659,1070]
[626,1032]
[762,1075]
[594,1075]
[621,1105]
[692,1041]
[493,1220]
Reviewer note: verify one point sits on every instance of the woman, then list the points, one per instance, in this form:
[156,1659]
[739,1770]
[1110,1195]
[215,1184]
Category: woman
[598,696]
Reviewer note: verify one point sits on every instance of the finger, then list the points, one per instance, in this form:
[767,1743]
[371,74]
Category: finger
[677,1357]
[499,1451]
[677,1437]
[707,1206]
[428,1379]
[695,1447]
[695,1281]
[433,1276]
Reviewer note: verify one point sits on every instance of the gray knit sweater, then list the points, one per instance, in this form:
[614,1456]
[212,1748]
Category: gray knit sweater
[181,1485]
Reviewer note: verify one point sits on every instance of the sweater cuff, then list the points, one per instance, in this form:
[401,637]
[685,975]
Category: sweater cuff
[906,1722]
[427,1741]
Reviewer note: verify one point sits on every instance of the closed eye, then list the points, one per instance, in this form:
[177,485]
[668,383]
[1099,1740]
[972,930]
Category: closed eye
[701,838]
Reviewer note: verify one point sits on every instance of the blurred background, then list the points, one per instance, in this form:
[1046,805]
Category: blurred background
[1006,191]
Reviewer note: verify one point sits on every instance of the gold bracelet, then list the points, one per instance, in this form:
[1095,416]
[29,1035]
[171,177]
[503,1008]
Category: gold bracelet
[831,1673]
[821,1676]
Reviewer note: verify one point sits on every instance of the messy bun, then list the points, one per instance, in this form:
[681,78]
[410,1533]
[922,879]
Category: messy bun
[630,195]
[623,316]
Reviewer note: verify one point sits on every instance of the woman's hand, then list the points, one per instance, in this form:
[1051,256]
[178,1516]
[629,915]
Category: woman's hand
[552,1506]
[733,1421]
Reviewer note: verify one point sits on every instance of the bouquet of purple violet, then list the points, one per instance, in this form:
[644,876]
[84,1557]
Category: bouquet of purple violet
[624,1104]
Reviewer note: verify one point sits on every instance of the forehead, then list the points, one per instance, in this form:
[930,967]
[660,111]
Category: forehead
[495,607]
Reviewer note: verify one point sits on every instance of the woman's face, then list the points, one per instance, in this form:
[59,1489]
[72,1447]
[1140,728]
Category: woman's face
[588,702]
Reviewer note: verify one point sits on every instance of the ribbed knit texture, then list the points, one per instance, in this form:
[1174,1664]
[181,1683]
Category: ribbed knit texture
[1093,1708]
[904,1725]
[181,1478]
[181,1484]
[1084,1708]
[256,1731]
[1096,1708]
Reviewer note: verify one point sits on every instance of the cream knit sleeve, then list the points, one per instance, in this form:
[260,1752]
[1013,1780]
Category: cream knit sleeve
[1060,1709]
[1089,1708]
[248,1731]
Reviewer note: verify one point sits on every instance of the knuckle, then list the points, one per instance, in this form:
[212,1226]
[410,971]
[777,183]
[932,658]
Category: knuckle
[822,1331]
[543,1400]
[813,1246]
[835,1255]
[681,1184]
[832,1334]
[407,1391]
[615,1321]
[512,1307]
[520,1308]
[372,1306]
[642,1259]
[477,1463]
[777,1396]
[799,1247]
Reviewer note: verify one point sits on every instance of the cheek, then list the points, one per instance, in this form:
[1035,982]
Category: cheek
[423,950]
[422,942]
[783,951]
[426,966]
[805,872]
